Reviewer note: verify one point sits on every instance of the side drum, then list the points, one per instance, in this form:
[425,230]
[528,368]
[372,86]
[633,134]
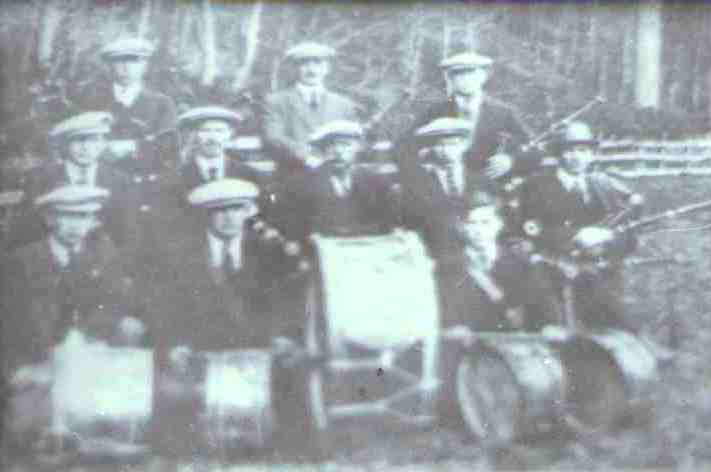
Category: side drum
[372,322]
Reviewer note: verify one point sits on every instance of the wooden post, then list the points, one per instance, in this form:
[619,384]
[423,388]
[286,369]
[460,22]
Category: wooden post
[648,80]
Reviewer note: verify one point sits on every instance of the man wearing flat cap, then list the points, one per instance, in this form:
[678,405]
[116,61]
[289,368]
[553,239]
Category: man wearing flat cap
[434,193]
[337,197]
[209,130]
[67,280]
[143,138]
[79,145]
[292,115]
[495,132]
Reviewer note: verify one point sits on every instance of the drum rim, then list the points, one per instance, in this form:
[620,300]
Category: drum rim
[465,403]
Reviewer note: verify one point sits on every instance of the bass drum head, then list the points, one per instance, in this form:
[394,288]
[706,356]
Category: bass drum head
[489,397]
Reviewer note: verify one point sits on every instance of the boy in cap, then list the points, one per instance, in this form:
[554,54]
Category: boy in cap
[210,128]
[566,209]
[143,138]
[67,280]
[292,115]
[79,144]
[336,197]
[495,132]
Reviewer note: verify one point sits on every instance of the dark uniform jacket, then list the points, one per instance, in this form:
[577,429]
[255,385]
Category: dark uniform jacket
[523,286]
[191,176]
[289,121]
[118,216]
[557,215]
[151,121]
[497,130]
[310,203]
[41,300]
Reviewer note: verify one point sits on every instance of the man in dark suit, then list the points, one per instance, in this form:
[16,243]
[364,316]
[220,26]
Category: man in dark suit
[143,139]
[67,280]
[496,134]
[210,129]
[80,142]
[337,197]
[212,295]
[488,286]
[565,211]
[292,115]
[434,194]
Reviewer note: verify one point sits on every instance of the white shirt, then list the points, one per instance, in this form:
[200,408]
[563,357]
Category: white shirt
[60,252]
[342,186]
[75,173]
[489,255]
[309,92]
[127,95]
[468,106]
[218,248]
[571,182]
[204,166]
[457,175]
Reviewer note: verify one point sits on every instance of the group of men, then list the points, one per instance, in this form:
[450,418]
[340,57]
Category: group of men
[122,238]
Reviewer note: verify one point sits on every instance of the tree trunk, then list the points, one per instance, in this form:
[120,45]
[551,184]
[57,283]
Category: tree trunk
[209,47]
[251,44]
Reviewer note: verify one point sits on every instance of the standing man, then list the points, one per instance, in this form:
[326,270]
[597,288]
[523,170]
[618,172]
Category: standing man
[210,130]
[67,279]
[337,198]
[495,132]
[79,144]
[434,193]
[292,115]
[143,139]
[565,212]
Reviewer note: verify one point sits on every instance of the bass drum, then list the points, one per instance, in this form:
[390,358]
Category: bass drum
[372,324]
[510,386]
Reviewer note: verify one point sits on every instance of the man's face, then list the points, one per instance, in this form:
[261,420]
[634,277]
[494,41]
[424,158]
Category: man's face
[71,228]
[449,150]
[342,152]
[227,223]
[482,226]
[313,71]
[468,81]
[577,158]
[211,137]
[85,150]
[129,69]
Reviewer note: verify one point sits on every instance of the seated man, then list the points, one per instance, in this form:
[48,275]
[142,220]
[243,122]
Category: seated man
[488,287]
[80,142]
[66,280]
[434,194]
[212,294]
[568,212]
[336,198]
[210,129]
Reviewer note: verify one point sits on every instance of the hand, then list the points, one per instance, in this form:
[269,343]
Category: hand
[499,165]
[122,148]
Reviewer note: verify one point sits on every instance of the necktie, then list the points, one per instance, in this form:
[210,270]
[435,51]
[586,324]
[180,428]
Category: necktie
[313,102]
[83,178]
[212,174]
[228,264]
[451,183]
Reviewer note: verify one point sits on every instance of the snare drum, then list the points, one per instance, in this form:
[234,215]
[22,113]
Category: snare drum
[510,386]
[372,318]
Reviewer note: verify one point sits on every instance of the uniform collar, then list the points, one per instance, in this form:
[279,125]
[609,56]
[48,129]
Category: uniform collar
[307,91]
[204,165]
[74,172]
[127,95]
[217,248]
[60,253]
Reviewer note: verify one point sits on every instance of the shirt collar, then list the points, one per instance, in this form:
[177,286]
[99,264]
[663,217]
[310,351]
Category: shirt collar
[60,252]
[205,164]
[74,172]
[126,95]
[216,247]
[471,103]
[491,252]
[570,181]
[308,91]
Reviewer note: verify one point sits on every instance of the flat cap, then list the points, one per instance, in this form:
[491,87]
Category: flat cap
[310,49]
[74,198]
[443,127]
[127,47]
[199,114]
[465,60]
[337,129]
[223,193]
[91,122]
